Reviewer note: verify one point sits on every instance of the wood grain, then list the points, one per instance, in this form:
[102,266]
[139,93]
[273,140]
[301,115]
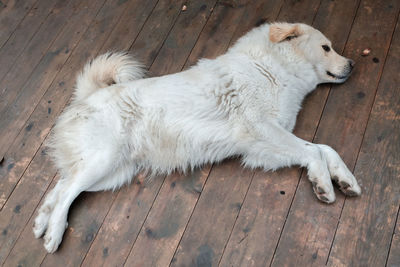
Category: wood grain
[25,73]
[12,13]
[23,34]
[394,253]
[377,208]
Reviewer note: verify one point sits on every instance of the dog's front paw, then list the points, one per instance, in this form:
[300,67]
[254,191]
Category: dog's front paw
[51,243]
[325,193]
[53,237]
[348,187]
[40,225]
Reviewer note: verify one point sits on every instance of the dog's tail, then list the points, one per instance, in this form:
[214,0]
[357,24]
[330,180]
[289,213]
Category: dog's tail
[105,70]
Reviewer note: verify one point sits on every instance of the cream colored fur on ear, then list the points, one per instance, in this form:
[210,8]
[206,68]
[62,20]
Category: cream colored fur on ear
[280,31]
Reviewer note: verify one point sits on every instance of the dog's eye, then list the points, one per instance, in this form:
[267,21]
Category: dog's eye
[326,48]
[290,37]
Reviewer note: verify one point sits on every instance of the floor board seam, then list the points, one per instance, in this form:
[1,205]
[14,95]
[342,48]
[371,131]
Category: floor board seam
[19,23]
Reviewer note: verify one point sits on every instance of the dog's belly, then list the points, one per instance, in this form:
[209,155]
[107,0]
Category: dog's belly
[165,146]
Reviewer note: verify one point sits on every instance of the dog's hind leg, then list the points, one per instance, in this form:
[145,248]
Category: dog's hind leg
[45,211]
[70,189]
[123,175]
[83,175]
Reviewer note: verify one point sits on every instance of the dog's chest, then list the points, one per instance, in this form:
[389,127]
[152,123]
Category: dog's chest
[280,95]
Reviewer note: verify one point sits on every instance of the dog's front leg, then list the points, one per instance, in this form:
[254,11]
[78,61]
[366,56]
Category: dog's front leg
[273,147]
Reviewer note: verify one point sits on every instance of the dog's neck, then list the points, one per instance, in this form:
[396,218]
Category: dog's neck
[294,65]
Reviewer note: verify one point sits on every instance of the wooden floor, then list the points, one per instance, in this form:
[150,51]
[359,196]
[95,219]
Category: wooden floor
[222,214]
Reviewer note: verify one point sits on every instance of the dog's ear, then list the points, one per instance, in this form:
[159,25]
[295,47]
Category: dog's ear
[279,32]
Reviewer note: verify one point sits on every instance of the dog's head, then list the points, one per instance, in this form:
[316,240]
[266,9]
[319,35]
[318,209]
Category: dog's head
[315,48]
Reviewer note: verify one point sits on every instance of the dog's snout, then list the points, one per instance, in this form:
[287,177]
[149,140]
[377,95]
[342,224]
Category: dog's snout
[351,63]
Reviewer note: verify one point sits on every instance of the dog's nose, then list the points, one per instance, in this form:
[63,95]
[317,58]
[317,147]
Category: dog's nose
[351,63]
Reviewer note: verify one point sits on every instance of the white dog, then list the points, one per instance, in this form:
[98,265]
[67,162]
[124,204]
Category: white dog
[243,103]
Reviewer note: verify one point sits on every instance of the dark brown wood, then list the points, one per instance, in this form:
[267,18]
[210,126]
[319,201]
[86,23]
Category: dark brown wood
[376,210]
[20,68]
[217,34]
[394,254]
[212,220]
[133,24]
[27,251]
[167,219]
[310,226]
[23,34]
[12,12]
[256,13]
[183,37]
[21,204]
[149,42]
[270,195]
[18,85]
[16,160]
[123,223]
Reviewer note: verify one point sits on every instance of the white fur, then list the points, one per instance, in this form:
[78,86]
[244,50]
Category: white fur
[244,103]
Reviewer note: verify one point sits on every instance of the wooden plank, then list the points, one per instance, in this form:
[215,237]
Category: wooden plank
[10,51]
[11,15]
[256,13]
[20,69]
[394,254]
[183,37]
[150,40]
[123,223]
[213,217]
[167,219]
[376,210]
[311,225]
[264,211]
[21,204]
[40,56]
[43,76]
[217,34]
